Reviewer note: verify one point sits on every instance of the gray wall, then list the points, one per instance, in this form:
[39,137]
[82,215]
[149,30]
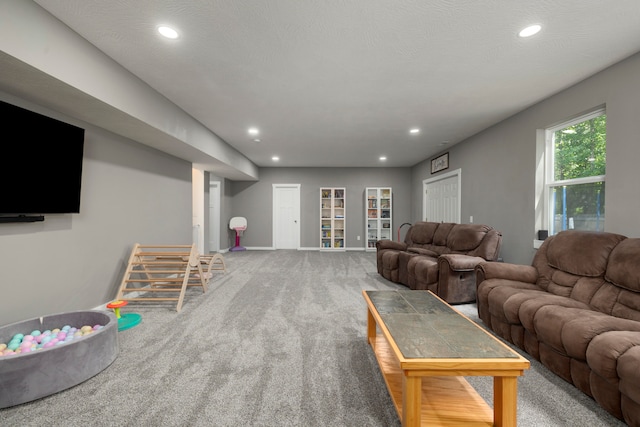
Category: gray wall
[130,194]
[498,164]
[253,200]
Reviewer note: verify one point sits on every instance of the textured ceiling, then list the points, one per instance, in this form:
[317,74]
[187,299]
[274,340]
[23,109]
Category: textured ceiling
[339,83]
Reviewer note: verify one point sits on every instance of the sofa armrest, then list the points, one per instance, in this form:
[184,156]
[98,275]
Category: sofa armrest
[459,262]
[390,244]
[502,270]
[456,278]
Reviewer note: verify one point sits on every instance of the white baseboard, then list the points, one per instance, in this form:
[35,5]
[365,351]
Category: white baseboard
[314,248]
[271,248]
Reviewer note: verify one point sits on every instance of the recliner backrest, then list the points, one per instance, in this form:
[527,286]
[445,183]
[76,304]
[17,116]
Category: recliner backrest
[573,263]
[448,237]
[421,233]
[623,280]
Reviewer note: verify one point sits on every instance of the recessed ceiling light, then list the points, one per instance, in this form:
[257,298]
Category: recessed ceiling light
[530,30]
[253,131]
[275,158]
[383,158]
[444,143]
[257,140]
[414,130]
[168,32]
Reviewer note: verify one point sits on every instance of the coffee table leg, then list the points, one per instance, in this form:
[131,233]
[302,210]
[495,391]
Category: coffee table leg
[411,400]
[371,327]
[505,395]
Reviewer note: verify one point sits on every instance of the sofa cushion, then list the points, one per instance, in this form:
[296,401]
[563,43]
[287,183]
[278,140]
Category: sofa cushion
[622,269]
[530,306]
[422,232]
[582,253]
[442,232]
[626,305]
[426,272]
[465,237]
[570,330]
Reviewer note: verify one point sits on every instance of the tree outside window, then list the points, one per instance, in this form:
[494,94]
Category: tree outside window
[576,185]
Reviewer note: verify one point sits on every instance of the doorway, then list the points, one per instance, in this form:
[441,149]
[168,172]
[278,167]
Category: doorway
[214,216]
[286,216]
[441,198]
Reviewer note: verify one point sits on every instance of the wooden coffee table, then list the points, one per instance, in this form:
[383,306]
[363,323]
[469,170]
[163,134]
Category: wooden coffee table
[427,348]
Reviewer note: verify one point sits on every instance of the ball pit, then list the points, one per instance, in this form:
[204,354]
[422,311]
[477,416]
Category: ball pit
[42,356]
[37,340]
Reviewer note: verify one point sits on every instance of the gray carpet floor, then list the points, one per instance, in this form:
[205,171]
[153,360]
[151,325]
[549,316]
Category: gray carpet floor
[279,340]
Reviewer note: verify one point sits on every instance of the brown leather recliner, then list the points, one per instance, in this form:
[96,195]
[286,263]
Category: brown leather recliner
[439,257]
[576,309]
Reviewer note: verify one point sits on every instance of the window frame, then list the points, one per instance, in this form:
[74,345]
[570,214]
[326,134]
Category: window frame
[545,170]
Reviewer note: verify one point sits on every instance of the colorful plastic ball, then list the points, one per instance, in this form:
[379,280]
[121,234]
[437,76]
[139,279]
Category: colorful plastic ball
[35,333]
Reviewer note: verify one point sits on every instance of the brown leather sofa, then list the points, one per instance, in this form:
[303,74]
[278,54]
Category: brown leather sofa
[576,309]
[439,257]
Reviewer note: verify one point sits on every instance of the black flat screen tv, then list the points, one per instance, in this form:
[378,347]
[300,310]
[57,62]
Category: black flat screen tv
[40,163]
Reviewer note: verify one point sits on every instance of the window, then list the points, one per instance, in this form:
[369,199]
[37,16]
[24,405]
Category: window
[574,186]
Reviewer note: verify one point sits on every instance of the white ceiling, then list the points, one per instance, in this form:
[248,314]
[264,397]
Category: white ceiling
[340,83]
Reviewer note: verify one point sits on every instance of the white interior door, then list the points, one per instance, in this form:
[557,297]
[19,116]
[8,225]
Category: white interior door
[286,216]
[214,216]
[441,198]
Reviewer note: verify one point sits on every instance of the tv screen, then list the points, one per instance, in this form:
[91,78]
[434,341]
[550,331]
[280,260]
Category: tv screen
[40,163]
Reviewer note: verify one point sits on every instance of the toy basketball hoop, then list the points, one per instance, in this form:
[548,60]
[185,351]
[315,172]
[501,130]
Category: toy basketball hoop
[239,225]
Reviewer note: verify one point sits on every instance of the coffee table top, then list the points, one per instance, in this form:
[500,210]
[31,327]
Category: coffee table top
[425,327]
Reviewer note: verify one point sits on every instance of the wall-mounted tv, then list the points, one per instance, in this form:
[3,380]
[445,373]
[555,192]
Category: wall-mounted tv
[40,164]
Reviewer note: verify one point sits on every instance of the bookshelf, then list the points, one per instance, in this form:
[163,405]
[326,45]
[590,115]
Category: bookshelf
[378,215]
[332,218]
